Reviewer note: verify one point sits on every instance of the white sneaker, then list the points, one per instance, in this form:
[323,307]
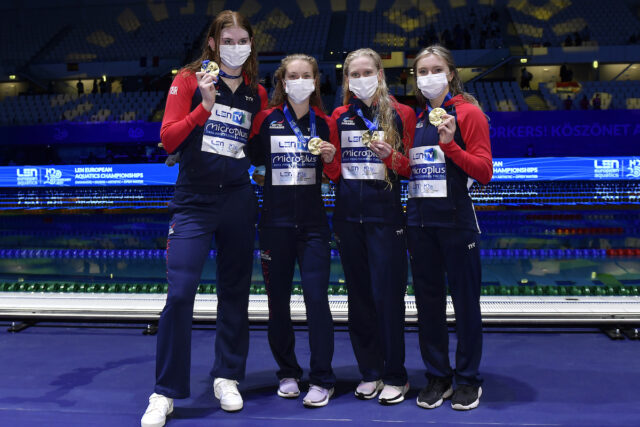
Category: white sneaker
[227,391]
[392,394]
[368,389]
[157,411]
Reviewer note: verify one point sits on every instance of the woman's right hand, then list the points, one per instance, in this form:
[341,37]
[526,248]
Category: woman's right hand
[206,84]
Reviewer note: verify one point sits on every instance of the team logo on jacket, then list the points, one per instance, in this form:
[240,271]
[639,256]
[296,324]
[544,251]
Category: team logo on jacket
[265,255]
[349,121]
[420,124]
[277,125]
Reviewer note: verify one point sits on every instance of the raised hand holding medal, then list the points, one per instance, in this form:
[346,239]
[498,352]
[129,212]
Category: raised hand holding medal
[207,78]
[445,123]
[447,128]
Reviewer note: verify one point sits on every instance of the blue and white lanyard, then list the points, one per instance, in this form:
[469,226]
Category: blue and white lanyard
[429,107]
[229,76]
[296,129]
[372,126]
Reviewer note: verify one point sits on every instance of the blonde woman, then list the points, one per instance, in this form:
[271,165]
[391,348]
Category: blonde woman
[451,149]
[368,222]
[296,142]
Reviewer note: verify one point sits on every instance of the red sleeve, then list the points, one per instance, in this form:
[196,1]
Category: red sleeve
[338,112]
[476,160]
[332,170]
[178,120]
[257,123]
[264,99]
[397,161]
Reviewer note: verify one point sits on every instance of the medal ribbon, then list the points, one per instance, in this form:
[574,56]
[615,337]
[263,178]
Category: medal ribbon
[446,98]
[372,126]
[229,76]
[296,129]
[429,107]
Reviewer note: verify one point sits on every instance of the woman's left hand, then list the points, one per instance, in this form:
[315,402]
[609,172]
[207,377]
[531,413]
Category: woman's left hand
[327,151]
[447,129]
[381,148]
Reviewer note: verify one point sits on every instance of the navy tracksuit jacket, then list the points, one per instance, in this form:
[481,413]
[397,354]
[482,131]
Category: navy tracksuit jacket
[293,227]
[368,223]
[442,235]
[213,199]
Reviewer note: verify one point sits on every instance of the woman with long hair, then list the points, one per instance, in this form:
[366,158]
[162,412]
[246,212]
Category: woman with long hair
[451,149]
[213,199]
[296,141]
[368,223]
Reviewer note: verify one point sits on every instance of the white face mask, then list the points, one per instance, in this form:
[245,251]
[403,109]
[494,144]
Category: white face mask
[234,55]
[299,90]
[364,87]
[433,85]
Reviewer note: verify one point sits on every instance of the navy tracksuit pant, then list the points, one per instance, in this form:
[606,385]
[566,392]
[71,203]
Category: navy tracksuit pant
[229,218]
[374,260]
[436,252]
[280,247]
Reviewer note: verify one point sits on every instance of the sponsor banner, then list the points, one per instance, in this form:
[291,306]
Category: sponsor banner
[358,161]
[566,169]
[579,133]
[428,172]
[514,169]
[226,131]
[87,175]
[231,116]
[291,162]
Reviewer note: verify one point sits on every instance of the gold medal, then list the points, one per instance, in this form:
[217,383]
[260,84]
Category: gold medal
[369,136]
[366,139]
[314,146]
[435,116]
[210,67]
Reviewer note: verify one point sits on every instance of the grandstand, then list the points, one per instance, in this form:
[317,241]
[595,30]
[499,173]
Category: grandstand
[95,108]
[160,36]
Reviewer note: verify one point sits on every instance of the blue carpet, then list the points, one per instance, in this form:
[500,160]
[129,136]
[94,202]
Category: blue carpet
[102,376]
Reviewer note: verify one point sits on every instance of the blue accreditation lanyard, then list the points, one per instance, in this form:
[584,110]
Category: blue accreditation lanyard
[296,129]
[372,126]
[229,76]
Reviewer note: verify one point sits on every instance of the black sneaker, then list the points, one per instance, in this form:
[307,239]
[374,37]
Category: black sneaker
[466,397]
[434,393]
